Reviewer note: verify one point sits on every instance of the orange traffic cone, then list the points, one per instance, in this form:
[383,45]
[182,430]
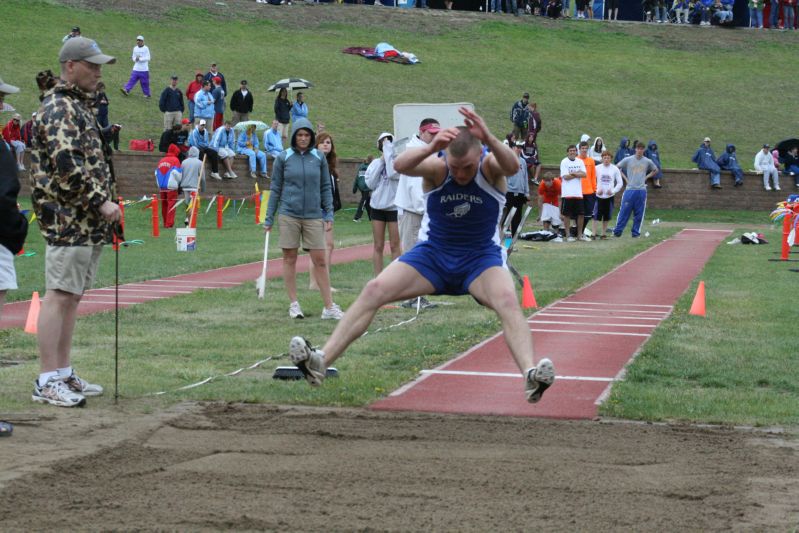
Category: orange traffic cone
[33,315]
[528,298]
[698,305]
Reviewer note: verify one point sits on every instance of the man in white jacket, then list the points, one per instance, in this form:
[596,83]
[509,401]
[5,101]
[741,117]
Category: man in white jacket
[410,200]
[764,163]
[141,68]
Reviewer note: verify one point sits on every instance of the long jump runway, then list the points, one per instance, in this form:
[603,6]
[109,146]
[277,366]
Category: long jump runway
[99,300]
[590,336]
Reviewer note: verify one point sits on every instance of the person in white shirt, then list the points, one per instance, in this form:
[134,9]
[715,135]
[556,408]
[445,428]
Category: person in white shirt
[572,171]
[141,69]
[608,183]
[764,163]
[382,179]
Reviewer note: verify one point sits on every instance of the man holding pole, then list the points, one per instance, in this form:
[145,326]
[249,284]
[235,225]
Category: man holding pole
[73,198]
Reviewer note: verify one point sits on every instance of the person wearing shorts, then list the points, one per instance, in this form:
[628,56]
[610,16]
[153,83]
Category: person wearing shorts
[589,190]
[383,180]
[572,173]
[459,252]
[302,197]
[608,183]
[73,193]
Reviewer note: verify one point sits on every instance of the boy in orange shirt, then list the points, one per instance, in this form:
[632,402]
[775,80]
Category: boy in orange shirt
[589,190]
[548,202]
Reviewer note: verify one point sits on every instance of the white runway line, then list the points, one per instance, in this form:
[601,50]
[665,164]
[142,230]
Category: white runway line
[564,308]
[573,315]
[168,281]
[155,289]
[592,324]
[509,375]
[569,302]
[582,332]
[89,295]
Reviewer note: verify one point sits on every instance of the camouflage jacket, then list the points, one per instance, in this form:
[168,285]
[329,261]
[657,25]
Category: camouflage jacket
[71,171]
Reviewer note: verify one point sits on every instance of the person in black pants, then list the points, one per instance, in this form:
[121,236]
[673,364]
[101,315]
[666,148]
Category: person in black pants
[359,185]
[101,107]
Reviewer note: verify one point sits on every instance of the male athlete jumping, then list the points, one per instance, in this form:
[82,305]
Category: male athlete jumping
[458,251]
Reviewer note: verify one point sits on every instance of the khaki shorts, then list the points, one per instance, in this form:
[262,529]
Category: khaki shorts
[311,230]
[71,268]
[283,129]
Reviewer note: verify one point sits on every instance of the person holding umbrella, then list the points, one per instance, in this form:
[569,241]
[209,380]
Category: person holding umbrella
[283,113]
[248,145]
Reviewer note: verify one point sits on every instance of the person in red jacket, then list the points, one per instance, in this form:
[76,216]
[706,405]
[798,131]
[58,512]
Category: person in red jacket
[192,89]
[168,195]
[13,136]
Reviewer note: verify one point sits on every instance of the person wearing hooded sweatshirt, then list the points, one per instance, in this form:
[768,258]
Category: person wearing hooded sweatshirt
[383,181]
[652,153]
[729,161]
[623,151]
[302,198]
[705,159]
[190,174]
[168,196]
[191,91]
[764,163]
[596,149]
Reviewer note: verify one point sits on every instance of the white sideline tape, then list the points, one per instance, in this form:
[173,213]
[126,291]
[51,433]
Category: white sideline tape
[510,375]
[270,358]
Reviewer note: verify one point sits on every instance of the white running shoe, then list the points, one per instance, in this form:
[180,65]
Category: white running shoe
[585,238]
[311,362]
[55,392]
[539,379]
[334,312]
[216,176]
[571,239]
[81,386]
[295,311]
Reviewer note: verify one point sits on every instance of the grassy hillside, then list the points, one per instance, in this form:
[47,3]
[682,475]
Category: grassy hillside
[673,84]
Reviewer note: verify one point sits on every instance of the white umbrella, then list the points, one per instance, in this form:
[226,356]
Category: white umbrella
[259,126]
[290,84]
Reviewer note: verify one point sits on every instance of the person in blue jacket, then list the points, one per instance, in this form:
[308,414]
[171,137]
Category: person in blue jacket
[652,153]
[248,145]
[729,161]
[299,109]
[623,151]
[705,159]
[702,11]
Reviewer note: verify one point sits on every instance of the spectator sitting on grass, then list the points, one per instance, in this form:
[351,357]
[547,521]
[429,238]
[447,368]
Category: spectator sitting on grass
[705,159]
[729,161]
[722,12]
[652,153]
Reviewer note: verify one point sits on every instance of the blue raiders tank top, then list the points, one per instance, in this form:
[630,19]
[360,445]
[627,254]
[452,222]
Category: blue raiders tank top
[463,217]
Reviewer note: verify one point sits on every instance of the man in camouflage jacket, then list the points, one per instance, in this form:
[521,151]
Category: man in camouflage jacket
[73,198]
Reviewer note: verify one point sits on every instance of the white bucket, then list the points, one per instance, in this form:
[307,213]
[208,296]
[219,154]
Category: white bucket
[186,239]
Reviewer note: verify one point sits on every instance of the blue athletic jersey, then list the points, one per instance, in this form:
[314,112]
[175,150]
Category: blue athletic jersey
[462,218]
[459,239]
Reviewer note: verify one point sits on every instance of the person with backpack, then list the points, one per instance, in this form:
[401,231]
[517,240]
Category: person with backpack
[519,116]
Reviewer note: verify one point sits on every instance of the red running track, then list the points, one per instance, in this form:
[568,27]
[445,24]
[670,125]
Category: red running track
[99,300]
[590,336]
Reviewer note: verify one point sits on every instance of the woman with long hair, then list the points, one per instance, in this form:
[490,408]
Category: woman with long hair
[324,143]
[283,113]
[383,180]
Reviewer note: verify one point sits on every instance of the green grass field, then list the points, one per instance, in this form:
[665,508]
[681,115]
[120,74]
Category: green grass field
[671,84]
[736,366]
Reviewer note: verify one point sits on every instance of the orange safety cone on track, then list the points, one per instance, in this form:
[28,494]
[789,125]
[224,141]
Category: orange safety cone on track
[698,305]
[33,315]
[528,298]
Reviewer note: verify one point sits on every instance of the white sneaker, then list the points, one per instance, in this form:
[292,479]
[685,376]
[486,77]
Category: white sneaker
[777,189]
[769,188]
[233,174]
[81,386]
[21,167]
[585,238]
[539,379]
[216,176]
[55,392]
[253,175]
[571,239]
[333,312]
[311,362]
[295,311]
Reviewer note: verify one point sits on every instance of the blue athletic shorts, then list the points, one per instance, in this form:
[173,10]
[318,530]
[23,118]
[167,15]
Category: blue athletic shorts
[448,272]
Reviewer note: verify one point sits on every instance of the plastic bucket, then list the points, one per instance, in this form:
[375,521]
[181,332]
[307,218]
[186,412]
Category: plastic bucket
[186,239]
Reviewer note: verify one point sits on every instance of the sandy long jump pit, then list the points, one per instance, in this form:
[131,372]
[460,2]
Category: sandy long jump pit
[256,467]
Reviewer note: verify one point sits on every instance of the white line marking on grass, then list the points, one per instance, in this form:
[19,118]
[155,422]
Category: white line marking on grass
[591,332]
[569,302]
[154,289]
[168,281]
[595,317]
[87,295]
[508,375]
[707,230]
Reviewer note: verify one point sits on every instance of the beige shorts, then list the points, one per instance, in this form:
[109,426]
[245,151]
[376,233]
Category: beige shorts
[310,230]
[283,129]
[71,269]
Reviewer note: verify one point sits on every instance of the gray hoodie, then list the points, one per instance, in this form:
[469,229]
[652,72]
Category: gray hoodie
[190,169]
[300,181]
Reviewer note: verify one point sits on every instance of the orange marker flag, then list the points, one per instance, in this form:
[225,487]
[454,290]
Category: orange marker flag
[33,315]
[528,298]
[698,305]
